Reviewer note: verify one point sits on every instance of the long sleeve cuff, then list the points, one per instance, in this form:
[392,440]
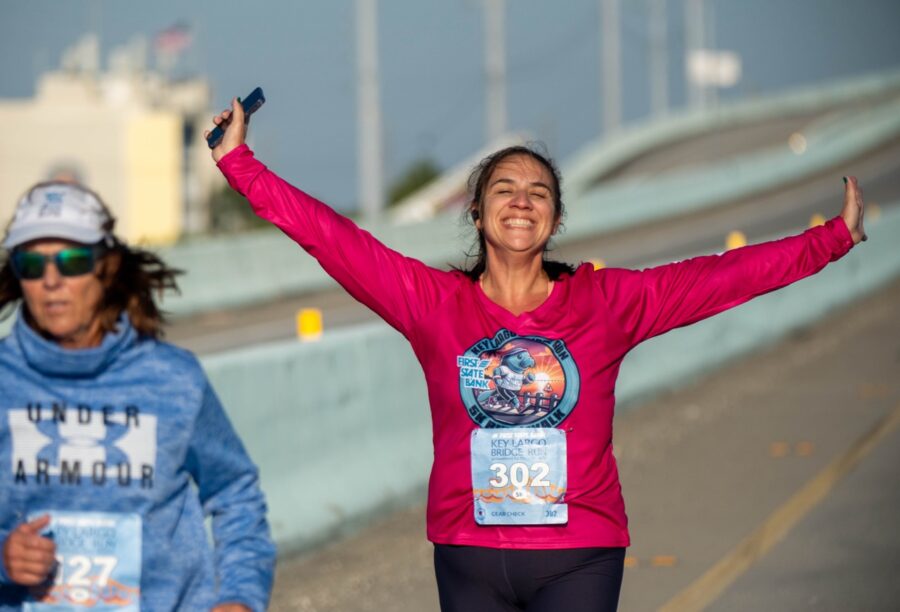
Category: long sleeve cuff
[240,167]
[842,241]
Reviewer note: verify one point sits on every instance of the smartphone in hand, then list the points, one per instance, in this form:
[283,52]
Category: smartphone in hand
[251,103]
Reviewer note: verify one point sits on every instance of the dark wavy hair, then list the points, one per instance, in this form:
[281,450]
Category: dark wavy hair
[477,185]
[133,280]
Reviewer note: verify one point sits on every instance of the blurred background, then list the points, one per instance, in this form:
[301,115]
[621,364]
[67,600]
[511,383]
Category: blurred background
[682,127]
[447,79]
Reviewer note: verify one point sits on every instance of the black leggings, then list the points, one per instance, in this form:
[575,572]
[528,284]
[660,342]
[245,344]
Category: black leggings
[471,578]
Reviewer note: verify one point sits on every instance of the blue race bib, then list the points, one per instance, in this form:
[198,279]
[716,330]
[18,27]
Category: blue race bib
[519,476]
[98,558]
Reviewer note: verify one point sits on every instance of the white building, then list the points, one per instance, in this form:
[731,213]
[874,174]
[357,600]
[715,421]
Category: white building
[128,133]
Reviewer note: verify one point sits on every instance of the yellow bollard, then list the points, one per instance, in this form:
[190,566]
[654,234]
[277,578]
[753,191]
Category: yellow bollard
[309,324]
[735,240]
[598,264]
[816,220]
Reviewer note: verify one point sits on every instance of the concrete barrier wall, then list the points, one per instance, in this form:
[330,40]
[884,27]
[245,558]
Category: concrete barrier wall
[240,270]
[341,429]
[582,170]
[627,204]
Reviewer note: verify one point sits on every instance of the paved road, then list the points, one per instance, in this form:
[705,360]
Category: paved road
[770,485]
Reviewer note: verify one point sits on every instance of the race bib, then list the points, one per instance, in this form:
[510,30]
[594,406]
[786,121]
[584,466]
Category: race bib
[98,563]
[519,476]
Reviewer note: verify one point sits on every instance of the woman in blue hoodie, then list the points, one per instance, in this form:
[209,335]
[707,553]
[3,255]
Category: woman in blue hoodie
[113,445]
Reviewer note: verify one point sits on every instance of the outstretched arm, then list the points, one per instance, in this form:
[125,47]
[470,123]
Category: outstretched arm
[653,301]
[399,289]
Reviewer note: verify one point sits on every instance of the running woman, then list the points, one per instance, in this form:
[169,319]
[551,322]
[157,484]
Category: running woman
[520,355]
[113,445]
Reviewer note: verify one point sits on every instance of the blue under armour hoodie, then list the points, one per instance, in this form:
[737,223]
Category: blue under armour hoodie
[127,447]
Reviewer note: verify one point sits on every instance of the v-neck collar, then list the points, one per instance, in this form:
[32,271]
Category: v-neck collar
[501,313]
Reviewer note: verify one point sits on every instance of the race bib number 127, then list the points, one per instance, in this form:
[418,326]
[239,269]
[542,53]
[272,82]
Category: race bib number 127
[98,563]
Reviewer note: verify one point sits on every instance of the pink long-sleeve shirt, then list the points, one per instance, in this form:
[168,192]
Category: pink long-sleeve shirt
[576,339]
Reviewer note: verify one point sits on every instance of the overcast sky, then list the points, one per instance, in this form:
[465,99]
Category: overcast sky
[431,57]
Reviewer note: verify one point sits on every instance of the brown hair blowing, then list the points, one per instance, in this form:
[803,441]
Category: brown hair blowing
[133,280]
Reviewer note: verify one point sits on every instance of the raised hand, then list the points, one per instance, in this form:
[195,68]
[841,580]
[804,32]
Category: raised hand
[235,125]
[852,213]
[28,556]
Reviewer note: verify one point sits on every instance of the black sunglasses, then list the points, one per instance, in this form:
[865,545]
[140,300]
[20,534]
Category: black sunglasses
[74,261]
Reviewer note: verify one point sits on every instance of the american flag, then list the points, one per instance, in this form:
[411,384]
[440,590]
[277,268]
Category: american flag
[174,39]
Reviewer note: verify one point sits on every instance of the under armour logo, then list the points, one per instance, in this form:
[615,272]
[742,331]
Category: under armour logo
[93,439]
[80,444]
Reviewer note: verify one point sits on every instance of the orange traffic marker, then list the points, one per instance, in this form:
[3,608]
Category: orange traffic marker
[599,264]
[664,561]
[803,449]
[869,390]
[816,220]
[631,561]
[777,450]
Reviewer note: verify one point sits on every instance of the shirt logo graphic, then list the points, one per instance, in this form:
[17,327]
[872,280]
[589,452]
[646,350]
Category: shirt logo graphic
[518,381]
[52,206]
[76,445]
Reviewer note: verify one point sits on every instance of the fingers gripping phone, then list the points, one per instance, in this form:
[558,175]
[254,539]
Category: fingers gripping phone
[250,104]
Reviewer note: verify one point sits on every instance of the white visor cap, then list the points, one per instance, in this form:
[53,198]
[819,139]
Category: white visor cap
[57,210]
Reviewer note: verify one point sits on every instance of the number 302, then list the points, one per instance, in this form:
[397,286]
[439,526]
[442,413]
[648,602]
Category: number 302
[520,475]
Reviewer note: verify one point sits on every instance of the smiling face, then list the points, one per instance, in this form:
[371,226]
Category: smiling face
[64,309]
[518,212]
